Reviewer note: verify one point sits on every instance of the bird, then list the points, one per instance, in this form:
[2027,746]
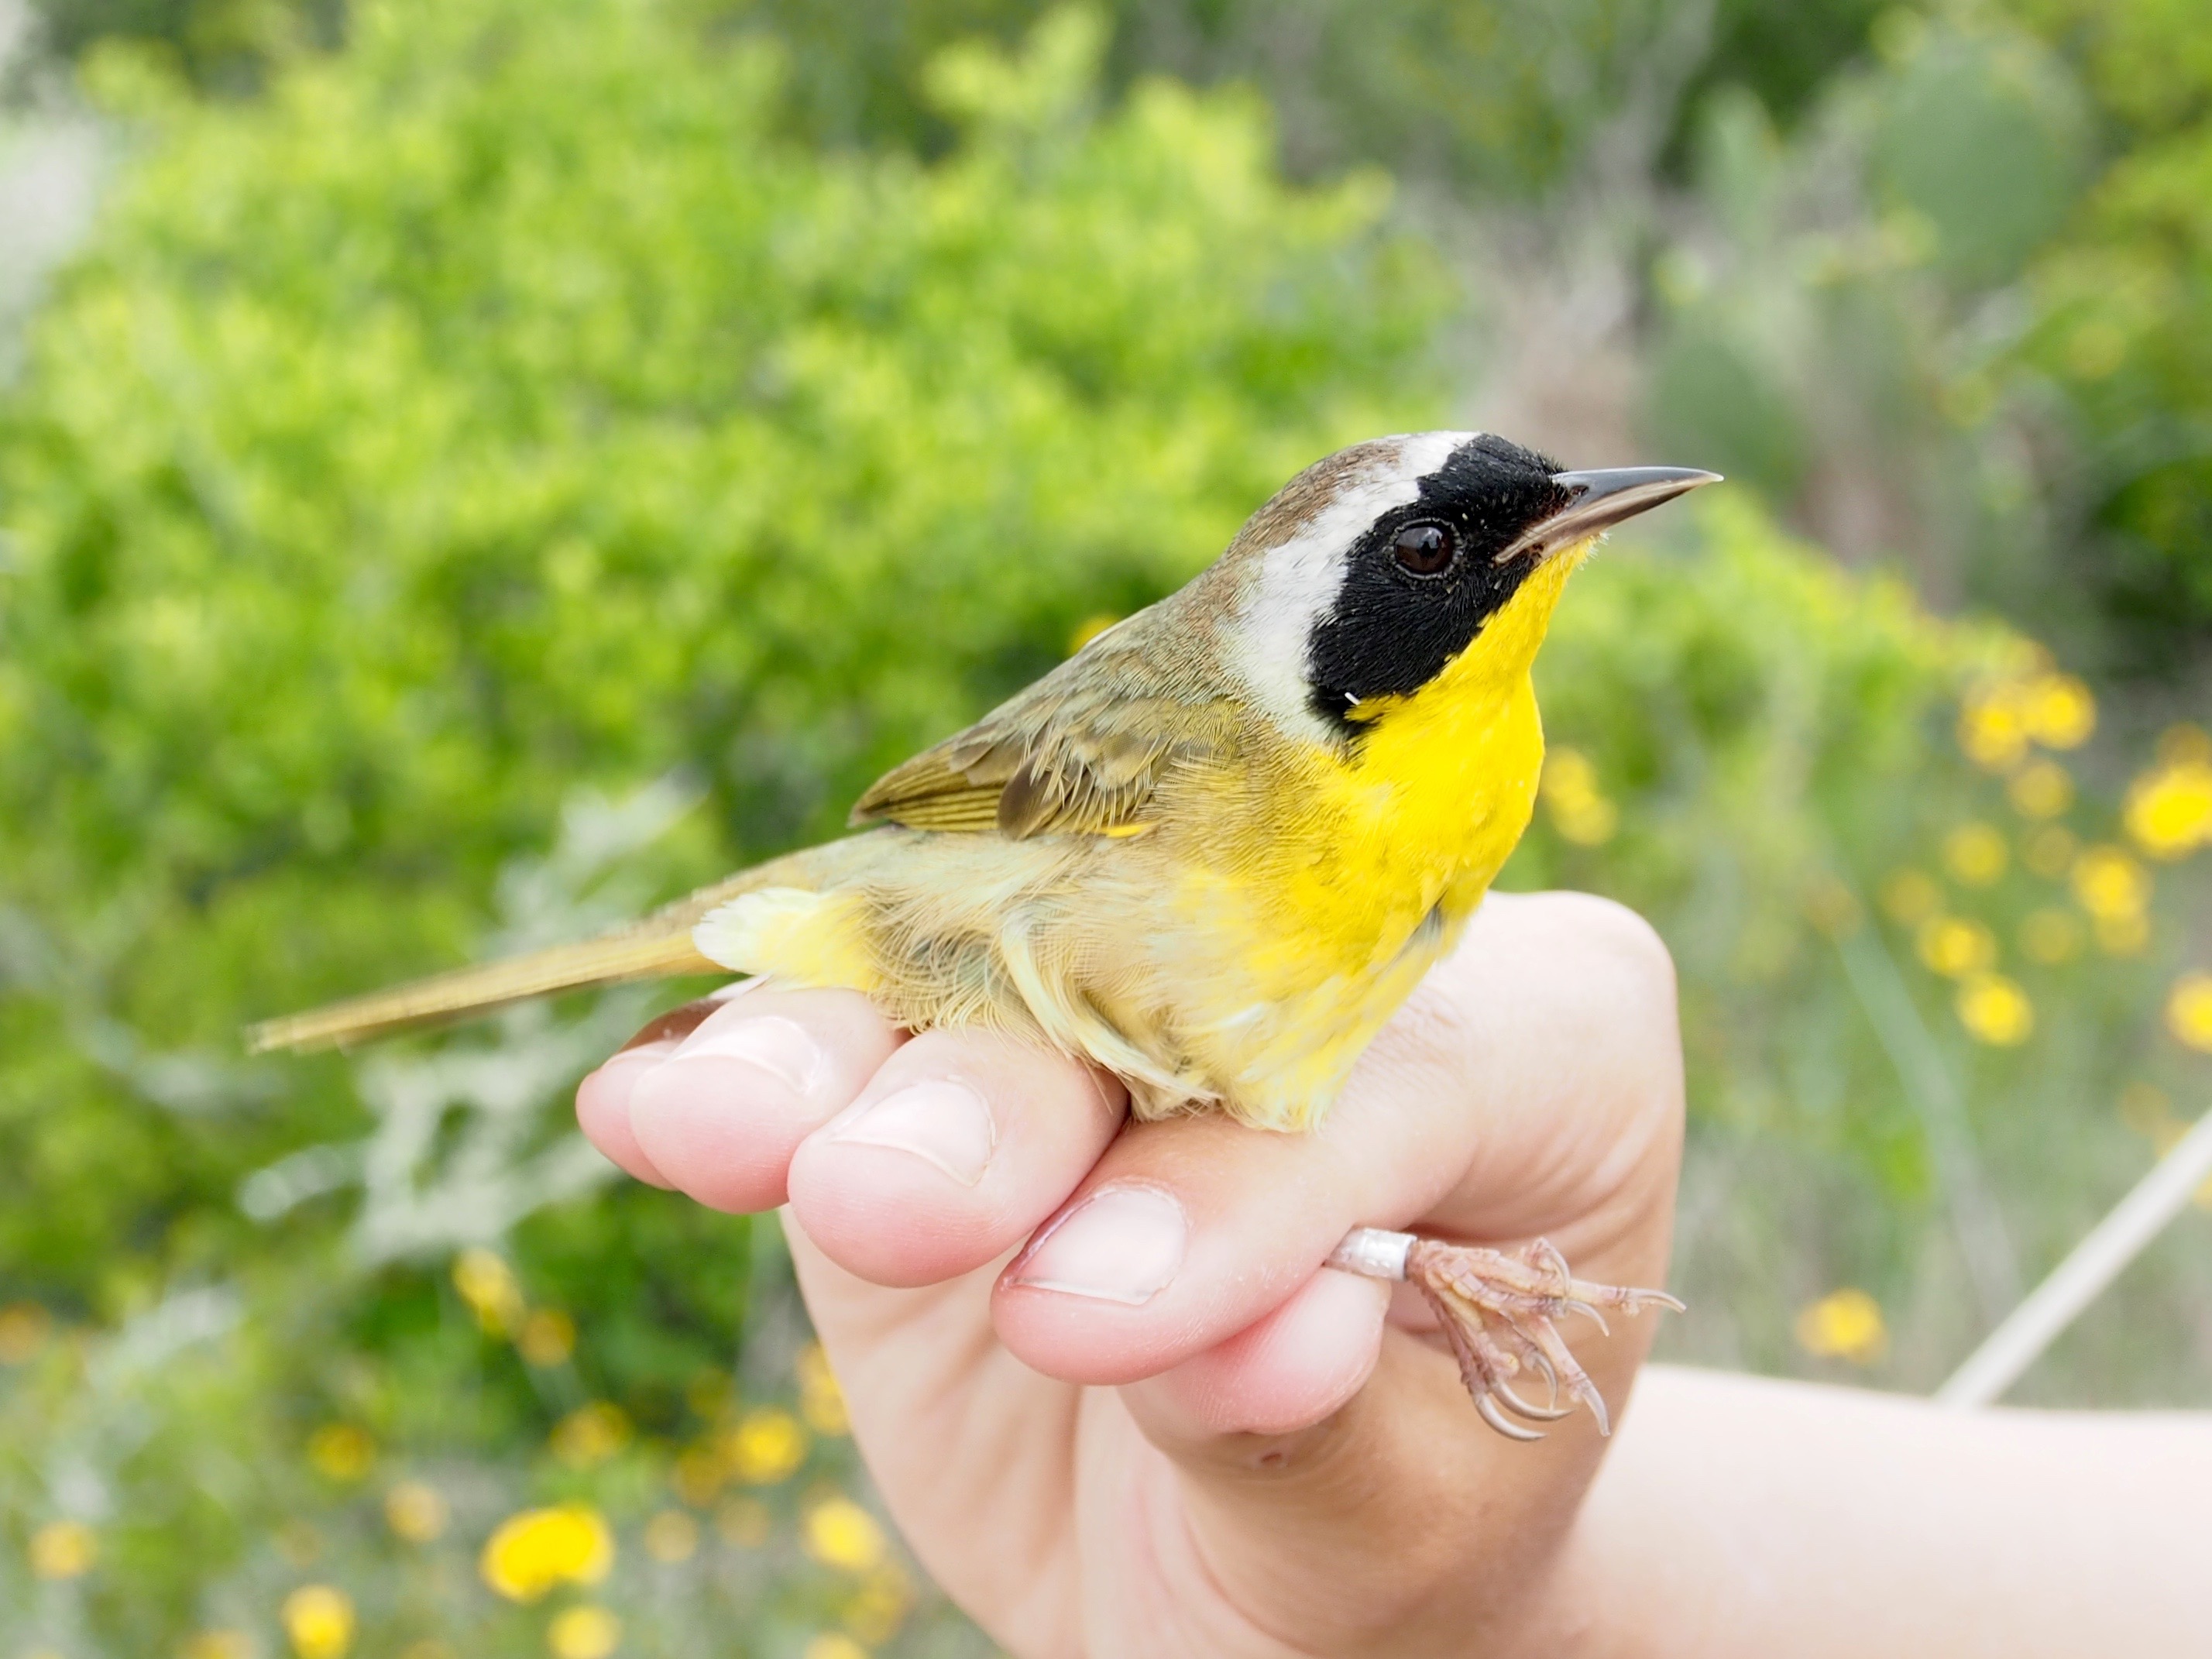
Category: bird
[1212,852]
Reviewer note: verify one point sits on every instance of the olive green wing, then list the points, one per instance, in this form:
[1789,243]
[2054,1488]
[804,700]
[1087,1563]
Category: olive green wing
[1080,752]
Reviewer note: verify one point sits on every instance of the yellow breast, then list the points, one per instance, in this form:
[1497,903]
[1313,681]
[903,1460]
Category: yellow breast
[1334,878]
[1413,826]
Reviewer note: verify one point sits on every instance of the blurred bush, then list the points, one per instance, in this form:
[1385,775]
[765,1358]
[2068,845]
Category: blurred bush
[1954,318]
[495,412]
[505,408]
[1498,96]
[1929,174]
[2125,313]
[1838,316]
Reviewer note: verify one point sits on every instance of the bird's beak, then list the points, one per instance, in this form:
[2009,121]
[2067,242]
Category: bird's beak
[1598,500]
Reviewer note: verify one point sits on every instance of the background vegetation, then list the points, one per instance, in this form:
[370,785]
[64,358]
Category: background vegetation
[493,463]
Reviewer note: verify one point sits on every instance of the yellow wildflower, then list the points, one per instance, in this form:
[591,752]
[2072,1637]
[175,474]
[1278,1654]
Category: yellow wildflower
[24,1328]
[2040,789]
[1999,718]
[671,1536]
[1911,897]
[2108,883]
[880,1605]
[2169,810]
[1955,945]
[585,1632]
[2050,851]
[415,1511]
[1993,726]
[745,1521]
[591,1434]
[768,1445]
[547,1337]
[821,1401]
[319,1619]
[2050,936]
[532,1551]
[487,1283]
[1995,1010]
[63,1549]
[2189,1011]
[1580,810]
[1844,1324]
[1975,854]
[2058,711]
[833,1644]
[340,1451]
[839,1533]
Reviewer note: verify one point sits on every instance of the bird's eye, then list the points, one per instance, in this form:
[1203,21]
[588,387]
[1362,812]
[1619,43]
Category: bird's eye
[1426,549]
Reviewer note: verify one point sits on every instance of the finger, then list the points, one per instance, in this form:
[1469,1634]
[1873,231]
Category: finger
[960,1145]
[1288,1369]
[1186,1233]
[720,1115]
[603,1098]
[603,1109]
[1384,1493]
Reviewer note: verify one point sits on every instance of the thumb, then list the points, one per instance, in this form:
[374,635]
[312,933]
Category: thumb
[1395,1515]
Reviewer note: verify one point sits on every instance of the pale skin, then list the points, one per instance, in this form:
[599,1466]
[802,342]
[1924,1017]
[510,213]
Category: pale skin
[1236,1451]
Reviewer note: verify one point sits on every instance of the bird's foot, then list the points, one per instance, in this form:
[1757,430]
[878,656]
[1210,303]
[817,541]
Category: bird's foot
[1499,1311]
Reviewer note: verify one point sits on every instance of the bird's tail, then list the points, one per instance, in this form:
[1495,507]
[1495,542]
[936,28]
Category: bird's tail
[658,947]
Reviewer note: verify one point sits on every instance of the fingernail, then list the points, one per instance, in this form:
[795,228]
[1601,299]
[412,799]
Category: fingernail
[635,1062]
[1122,1244]
[944,1123]
[769,1043]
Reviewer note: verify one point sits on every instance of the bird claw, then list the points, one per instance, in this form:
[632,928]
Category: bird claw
[1487,1406]
[1520,1408]
[1499,1313]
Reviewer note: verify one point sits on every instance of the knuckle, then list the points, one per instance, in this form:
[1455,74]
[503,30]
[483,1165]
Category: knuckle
[1610,945]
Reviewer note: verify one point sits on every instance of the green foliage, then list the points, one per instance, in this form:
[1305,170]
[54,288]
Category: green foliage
[1982,137]
[1835,324]
[505,408]
[1925,326]
[223,45]
[1500,97]
[2124,308]
[494,412]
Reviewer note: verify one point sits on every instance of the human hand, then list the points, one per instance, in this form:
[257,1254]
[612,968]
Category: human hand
[1163,1426]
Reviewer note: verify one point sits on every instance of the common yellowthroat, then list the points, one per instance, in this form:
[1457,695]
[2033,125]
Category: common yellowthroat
[1214,850]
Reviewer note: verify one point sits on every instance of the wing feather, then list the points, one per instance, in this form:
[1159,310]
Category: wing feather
[1080,752]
